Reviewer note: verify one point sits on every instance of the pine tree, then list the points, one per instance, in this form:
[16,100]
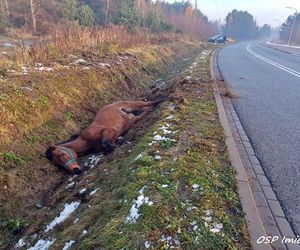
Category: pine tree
[85,15]
[130,16]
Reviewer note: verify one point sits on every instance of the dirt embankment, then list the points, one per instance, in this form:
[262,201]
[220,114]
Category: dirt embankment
[48,103]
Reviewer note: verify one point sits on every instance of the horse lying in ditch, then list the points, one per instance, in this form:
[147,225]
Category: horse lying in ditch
[111,122]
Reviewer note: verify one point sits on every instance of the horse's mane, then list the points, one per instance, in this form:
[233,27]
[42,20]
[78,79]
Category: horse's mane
[49,154]
[72,138]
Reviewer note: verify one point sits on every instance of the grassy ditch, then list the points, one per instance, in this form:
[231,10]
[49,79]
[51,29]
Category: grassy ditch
[48,103]
[169,187]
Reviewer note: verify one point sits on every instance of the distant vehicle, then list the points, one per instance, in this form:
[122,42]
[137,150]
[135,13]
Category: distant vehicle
[218,39]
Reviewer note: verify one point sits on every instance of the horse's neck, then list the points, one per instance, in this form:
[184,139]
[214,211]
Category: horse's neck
[78,145]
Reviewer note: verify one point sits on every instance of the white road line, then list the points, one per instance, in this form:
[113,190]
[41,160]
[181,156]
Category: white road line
[280,66]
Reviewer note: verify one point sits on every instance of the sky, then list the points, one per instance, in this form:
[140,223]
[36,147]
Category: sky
[264,11]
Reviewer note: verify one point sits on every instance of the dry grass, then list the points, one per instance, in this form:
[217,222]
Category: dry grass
[53,110]
[71,38]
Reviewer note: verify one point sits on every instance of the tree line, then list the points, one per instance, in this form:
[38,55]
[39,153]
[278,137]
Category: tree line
[290,29]
[241,25]
[38,15]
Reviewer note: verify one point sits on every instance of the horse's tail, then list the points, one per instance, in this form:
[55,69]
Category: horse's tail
[154,103]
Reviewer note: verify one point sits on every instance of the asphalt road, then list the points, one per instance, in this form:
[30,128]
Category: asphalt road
[267,83]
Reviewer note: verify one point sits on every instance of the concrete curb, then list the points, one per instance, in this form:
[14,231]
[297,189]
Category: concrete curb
[289,50]
[263,211]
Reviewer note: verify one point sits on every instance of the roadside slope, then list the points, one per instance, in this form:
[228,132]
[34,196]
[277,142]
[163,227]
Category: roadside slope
[48,103]
[170,186]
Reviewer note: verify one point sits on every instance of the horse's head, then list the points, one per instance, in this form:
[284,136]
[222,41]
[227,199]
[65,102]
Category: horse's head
[64,157]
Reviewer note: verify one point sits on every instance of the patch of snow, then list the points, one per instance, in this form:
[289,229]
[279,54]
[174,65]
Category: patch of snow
[139,156]
[84,232]
[151,143]
[65,214]
[170,117]
[72,184]
[92,161]
[167,132]
[68,244]
[80,61]
[104,65]
[208,212]
[159,138]
[72,178]
[207,218]
[94,191]
[218,225]
[162,138]
[172,106]
[21,243]
[165,186]
[82,190]
[76,220]
[134,210]
[147,244]
[157,157]
[44,69]
[215,230]
[177,242]
[190,208]
[42,244]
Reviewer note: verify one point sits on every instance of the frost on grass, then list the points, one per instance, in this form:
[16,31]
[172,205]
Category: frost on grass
[162,138]
[165,129]
[94,191]
[170,117]
[213,226]
[65,214]
[70,185]
[147,244]
[21,243]
[42,244]
[139,156]
[68,244]
[92,161]
[157,157]
[170,241]
[81,191]
[136,204]
[217,227]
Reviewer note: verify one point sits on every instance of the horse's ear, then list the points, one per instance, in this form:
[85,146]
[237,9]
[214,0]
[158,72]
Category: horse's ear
[52,146]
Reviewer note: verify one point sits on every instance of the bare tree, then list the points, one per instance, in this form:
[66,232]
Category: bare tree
[32,9]
[107,11]
[7,9]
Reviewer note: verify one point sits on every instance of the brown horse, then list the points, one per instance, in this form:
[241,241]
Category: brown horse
[111,122]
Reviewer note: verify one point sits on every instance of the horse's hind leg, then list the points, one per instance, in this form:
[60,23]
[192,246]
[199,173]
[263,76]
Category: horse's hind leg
[138,105]
[133,119]
[109,137]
